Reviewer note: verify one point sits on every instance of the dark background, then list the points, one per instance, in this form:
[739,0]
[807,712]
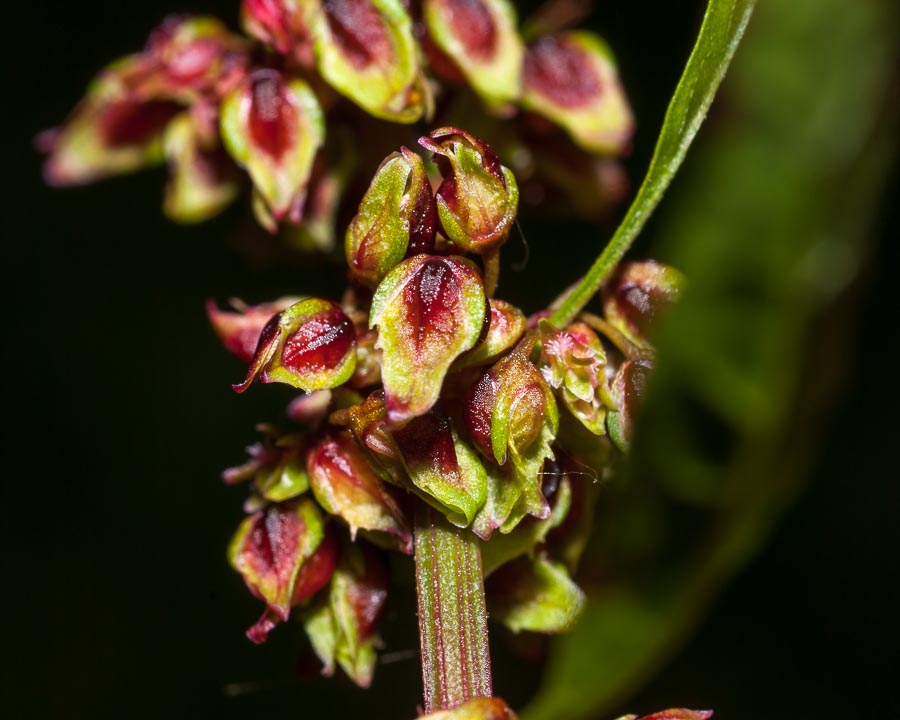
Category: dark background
[120,418]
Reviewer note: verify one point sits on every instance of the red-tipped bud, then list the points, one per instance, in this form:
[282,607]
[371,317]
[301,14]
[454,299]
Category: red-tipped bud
[343,627]
[311,345]
[345,485]
[628,389]
[204,179]
[239,331]
[512,417]
[507,325]
[278,23]
[273,126]
[536,595]
[571,79]
[480,41]
[396,218]
[270,549]
[276,466]
[428,311]
[366,51]
[638,294]
[478,709]
[478,197]
[443,468]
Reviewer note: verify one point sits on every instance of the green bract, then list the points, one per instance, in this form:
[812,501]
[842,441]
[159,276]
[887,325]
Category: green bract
[428,311]
[365,50]
[396,215]
[479,37]
[571,79]
[273,126]
[311,345]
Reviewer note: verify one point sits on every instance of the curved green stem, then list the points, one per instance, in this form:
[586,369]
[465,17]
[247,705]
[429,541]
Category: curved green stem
[722,29]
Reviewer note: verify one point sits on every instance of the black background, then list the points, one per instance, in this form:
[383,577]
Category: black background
[119,602]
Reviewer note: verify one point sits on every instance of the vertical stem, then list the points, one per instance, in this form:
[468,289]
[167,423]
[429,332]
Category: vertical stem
[456,661]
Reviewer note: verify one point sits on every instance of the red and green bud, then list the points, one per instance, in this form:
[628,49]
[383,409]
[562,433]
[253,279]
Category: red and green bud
[345,485]
[512,418]
[279,24]
[366,51]
[428,310]
[396,219]
[480,708]
[311,346]
[445,471]
[276,465]
[627,391]
[479,38]
[204,180]
[273,126]
[478,197]
[507,325]
[271,549]
[573,362]
[571,79]
[343,626]
[107,134]
[674,714]
[637,295]
[536,595]
[239,331]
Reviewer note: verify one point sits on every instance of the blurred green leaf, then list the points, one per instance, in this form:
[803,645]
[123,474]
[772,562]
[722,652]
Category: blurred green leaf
[770,226]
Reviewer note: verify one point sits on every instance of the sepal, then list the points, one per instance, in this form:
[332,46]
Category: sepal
[479,38]
[239,331]
[637,294]
[397,217]
[571,79]
[273,126]
[311,346]
[478,197]
[428,310]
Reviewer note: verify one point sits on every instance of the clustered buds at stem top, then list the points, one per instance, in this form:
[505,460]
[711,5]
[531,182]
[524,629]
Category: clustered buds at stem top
[460,406]
[269,107]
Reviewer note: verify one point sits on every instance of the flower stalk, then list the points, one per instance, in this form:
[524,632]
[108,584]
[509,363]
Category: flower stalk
[453,632]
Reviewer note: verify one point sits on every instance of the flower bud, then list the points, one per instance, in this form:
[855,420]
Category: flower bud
[571,79]
[342,627]
[536,595]
[276,466]
[311,346]
[239,331]
[506,327]
[428,311]
[204,180]
[512,417]
[478,197]
[278,23]
[270,549]
[479,38]
[637,294]
[273,127]
[445,471]
[476,709]
[345,485]
[396,218]
[365,50]
[627,392]
[573,362]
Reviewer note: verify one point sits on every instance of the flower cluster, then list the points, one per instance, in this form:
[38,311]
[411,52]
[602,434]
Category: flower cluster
[420,386]
[209,102]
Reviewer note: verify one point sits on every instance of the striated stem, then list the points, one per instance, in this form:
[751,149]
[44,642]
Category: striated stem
[456,661]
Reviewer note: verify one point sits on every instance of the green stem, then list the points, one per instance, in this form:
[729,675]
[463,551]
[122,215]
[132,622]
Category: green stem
[722,29]
[456,661]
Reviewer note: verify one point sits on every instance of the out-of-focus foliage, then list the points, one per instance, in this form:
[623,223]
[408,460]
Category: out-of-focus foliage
[769,225]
